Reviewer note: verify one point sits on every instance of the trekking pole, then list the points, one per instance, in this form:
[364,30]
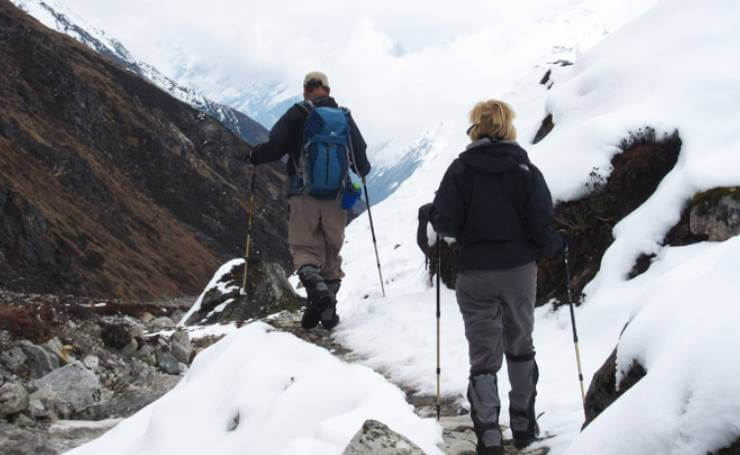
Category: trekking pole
[375,242]
[250,216]
[573,324]
[439,272]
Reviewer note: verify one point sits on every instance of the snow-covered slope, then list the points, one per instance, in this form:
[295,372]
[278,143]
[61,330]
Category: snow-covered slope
[55,15]
[672,68]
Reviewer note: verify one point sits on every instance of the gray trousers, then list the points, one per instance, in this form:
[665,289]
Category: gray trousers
[498,311]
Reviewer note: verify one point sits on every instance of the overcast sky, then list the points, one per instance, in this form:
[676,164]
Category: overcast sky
[402,66]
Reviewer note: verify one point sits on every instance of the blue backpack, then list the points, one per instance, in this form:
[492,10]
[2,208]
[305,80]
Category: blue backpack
[324,165]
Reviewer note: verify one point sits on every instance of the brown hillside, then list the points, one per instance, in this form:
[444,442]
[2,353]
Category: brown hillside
[109,186]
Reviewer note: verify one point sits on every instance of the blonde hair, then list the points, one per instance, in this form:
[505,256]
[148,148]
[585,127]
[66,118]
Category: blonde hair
[492,119]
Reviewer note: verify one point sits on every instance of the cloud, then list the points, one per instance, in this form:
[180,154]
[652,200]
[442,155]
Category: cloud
[402,67]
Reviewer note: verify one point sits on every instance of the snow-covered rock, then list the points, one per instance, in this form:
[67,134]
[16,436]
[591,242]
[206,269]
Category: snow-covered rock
[223,300]
[375,438]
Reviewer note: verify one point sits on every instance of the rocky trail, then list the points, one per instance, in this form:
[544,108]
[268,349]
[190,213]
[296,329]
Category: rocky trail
[459,438]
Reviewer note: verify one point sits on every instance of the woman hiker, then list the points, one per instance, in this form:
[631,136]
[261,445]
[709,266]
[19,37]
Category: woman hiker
[496,203]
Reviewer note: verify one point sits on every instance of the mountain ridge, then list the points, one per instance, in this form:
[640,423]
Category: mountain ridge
[59,18]
[111,187]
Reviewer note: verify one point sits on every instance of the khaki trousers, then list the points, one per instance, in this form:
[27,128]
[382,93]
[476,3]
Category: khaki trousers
[316,234]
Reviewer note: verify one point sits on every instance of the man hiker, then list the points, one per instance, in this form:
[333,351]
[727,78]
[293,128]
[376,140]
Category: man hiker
[496,203]
[322,142]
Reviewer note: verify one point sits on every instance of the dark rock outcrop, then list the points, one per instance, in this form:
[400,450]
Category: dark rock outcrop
[545,128]
[588,222]
[108,185]
[604,389]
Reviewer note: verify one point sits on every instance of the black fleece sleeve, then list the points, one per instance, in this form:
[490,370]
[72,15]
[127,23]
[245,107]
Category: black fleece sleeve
[448,212]
[359,149]
[539,217]
[283,137]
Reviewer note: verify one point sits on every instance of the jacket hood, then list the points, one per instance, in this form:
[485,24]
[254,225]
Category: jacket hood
[494,156]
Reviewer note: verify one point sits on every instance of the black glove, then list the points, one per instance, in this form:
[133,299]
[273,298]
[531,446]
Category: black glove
[421,232]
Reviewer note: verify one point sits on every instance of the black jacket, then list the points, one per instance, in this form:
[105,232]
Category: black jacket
[286,136]
[496,203]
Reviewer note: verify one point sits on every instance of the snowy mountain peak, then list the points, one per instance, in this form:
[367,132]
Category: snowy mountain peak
[58,17]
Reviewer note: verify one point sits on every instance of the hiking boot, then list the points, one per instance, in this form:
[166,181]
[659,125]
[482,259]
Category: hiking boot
[492,450]
[329,317]
[319,296]
[329,324]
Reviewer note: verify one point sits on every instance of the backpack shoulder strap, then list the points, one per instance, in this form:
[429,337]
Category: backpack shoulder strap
[306,105]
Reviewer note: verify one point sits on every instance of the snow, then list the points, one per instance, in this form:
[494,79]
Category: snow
[65,425]
[291,397]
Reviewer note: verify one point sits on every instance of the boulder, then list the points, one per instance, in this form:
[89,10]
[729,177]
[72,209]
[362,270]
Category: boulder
[715,214]
[182,348]
[23,421]
[38,410]
[116,336]
[167,362]
[40,361]
[13,359]
[131,398]
[162,323]
[72,383]
[13,399]
[375,438]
